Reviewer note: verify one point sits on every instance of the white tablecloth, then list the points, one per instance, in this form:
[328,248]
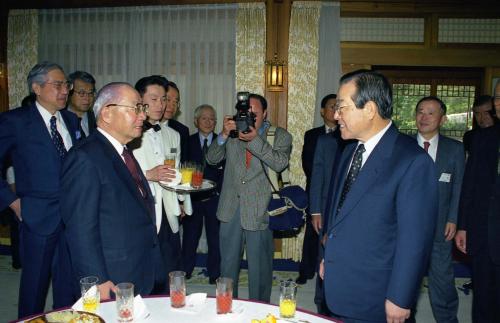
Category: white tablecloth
[161,311]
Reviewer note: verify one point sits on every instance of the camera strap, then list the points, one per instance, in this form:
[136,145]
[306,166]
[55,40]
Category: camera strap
[277,180]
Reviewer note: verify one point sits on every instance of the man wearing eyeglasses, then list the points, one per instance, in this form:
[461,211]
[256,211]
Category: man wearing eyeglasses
[106,202]
[171,109]
[36,138]
[81,99]
[382,211]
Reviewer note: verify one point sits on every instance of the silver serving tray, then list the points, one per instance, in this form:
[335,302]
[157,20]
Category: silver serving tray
[207,185]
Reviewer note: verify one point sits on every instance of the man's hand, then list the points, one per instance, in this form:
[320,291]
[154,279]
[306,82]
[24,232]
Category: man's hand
[321,270]
[106,289]
[394,313]
[248,136]
[450,230]
[160,173]
[227,126]
[461,240]
[16,207]
[316,222]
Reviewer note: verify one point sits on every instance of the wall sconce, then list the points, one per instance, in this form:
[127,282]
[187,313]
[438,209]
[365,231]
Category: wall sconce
[275,70]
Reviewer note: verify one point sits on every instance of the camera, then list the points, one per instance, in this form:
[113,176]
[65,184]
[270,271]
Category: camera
[244,118]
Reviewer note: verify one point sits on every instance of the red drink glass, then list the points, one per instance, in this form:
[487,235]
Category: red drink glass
[224,295]
[197,179]
[177,288]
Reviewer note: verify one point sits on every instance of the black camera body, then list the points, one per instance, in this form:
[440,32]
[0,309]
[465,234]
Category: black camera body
[244,118]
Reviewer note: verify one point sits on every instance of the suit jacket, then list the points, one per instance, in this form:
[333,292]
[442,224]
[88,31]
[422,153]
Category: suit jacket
[450,161]
[90,118]
[379,242]
[480,200]
[25,140]
[184,133]
[248,189]
[308,150]
[144,151]
[110,228]
[325,156]
[211,172]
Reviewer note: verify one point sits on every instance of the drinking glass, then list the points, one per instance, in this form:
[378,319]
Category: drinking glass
[186,173]
[288,299]
[177,288]
[125,302]
[224,295]
[90,293]
[197,178]
[170,160]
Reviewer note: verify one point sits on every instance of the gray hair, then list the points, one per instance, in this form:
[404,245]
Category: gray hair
[197,111]
[107,94]
[38,74]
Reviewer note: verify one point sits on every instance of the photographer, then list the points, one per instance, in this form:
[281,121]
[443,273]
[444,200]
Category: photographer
[246,192]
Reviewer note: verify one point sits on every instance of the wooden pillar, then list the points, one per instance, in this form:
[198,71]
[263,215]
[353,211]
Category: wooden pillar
[277,28]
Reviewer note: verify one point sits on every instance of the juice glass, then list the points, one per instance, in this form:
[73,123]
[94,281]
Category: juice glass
[288,299]
[90,293]
[197,178]
[177,281]
[224,295]
[125,302]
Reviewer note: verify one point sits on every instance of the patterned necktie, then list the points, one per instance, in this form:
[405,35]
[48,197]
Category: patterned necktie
[56,138]
[204,150]
[357,161]
[132,168]
[426,146]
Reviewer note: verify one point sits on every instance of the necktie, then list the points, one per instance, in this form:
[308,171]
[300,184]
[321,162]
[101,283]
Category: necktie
[248,158]
[80,128]
[329,130]
[132,168]
[204,150]
[357,161]
[426,146]
[56,137]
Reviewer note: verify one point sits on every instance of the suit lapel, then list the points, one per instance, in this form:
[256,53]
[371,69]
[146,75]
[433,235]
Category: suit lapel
[124,174]
[441,155]
[368,174]
[37,129]
[71,125]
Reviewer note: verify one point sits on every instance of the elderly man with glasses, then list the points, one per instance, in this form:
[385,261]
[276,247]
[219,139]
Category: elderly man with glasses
[106,202]
[81,99]
[36,138]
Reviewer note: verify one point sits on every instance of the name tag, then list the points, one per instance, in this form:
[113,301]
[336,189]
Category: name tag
[445,177]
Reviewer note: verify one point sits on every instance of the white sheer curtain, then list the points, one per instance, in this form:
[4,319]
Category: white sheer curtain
[194,46]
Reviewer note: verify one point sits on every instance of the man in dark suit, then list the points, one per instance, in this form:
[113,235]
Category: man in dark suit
[484,117]
[36,139]
[106,202]
[309,261]
[171,109]
[204,203]
[81,99]
[449,160]
[383,209]
[479,220]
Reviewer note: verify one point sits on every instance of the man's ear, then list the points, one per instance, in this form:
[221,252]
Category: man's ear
[370,109]
[37,88]
[106,114]
[443,120]
[264,115]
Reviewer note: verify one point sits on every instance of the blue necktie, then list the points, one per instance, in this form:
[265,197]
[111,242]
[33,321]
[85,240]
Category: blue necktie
[56,138]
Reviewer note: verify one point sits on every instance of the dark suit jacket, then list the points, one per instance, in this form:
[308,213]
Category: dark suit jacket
[379,242]
[91,119]
[110,228]
[24,139]
[184,133]
[310,140]
[480,200]
[211,172]
[327,148]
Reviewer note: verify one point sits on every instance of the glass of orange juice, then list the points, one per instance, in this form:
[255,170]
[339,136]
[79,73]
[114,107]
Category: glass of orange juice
[170,160]
[288,299]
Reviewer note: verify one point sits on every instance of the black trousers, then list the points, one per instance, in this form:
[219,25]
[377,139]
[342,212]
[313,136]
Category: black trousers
[486,295]
[309,262]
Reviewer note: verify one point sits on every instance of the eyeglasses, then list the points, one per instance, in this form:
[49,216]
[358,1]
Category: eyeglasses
[83,94]
[139,107]
[59,85]
[338,108]
[177,103]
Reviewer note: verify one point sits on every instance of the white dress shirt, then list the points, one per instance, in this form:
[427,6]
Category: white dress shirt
[60,125]
[433,147]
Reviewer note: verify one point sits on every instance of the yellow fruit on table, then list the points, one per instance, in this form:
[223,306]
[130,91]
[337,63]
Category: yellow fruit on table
[255,321]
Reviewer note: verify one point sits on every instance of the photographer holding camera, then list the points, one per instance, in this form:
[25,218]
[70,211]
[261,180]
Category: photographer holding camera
[246,192]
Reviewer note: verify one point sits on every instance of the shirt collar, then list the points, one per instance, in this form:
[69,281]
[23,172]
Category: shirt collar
[46,114]
[118,146]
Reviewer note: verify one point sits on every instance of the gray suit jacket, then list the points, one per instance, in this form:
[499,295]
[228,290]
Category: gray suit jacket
[450,160]
[248,189]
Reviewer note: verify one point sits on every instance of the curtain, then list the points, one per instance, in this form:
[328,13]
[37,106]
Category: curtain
[194,46]
[302,71]
[21,52]
[328,56]
[250,47]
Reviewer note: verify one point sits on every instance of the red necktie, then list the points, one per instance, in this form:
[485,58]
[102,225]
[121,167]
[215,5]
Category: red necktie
[248,158]
[132,168]
[426,146]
